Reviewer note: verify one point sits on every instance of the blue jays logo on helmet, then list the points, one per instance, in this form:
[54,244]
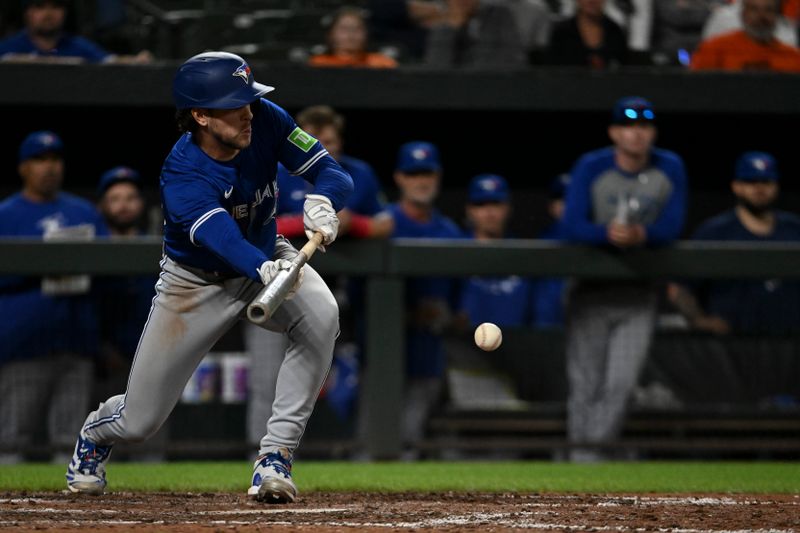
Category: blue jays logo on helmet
[243,72]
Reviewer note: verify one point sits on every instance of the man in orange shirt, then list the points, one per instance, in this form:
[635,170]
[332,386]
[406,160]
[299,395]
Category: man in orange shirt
[752,48]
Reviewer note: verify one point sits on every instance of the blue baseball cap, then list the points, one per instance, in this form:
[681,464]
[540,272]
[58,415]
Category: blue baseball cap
[117,175]
[488,188]
[631,109]
[38,143]
[418,156]
[756,166]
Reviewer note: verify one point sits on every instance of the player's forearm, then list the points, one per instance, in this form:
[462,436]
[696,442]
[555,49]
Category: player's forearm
[331,180]
[685,302]
[221,235]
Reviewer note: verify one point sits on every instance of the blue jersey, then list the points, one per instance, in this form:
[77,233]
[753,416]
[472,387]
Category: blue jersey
[68,46]
[33,323]
[220,216]
[367,198]
[503,300]
[425,353]
[654,197]
[752,306]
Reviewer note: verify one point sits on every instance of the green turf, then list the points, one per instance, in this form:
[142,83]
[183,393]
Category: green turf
[436,476]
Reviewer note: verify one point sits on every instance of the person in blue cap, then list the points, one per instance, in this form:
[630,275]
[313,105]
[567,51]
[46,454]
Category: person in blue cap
[629,195]
[502,300]
[123,301]
[44,39]
[48,335]
[430,300]
[746,307]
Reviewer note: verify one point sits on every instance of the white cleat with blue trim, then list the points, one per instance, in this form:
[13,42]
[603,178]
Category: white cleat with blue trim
[86,473]
[272,478]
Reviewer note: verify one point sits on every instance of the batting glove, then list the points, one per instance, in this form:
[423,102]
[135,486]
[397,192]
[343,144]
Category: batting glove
[319,215]
[269,269]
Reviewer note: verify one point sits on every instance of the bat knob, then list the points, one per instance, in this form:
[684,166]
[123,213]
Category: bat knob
[256,314]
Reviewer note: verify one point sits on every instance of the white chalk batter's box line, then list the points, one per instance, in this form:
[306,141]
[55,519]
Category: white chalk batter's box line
[515,520]
[422,524]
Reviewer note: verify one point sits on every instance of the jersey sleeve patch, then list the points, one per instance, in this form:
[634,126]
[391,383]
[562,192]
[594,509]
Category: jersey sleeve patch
[301,139]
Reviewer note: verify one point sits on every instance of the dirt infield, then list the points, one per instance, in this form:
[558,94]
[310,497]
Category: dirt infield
[403,512]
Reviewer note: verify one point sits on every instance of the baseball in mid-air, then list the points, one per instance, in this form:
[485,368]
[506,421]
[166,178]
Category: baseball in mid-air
[488,337]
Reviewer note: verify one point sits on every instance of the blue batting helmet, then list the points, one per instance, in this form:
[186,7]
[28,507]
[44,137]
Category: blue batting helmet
[216,80]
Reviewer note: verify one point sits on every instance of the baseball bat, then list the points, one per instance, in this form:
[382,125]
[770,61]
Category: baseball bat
[274,293]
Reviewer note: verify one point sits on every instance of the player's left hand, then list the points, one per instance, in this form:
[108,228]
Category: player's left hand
[318,215]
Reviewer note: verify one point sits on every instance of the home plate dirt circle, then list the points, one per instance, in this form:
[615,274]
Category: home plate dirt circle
[403,512]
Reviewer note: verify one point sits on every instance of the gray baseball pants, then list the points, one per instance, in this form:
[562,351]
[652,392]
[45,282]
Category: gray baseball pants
[190,312]
[609,330]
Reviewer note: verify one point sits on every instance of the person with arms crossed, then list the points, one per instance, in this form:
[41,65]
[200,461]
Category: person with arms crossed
[629,195]
[49,330]
[218,192]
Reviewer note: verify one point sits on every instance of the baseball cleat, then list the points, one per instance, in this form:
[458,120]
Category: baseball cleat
[272,478]
[86,472]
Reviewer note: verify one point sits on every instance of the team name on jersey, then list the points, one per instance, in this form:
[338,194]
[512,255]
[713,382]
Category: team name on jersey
[244,210]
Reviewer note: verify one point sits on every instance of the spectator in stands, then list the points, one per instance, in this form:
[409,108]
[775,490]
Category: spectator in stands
[534,21]
[123,302]
[590,38]
[746,307]
[403,24]
[728,17]
[626,196]
[365,217]
[48,334]
[550,293]
[475,33]
[44,39]
[635,17]
[429,301]
[677,27]
[754,47]
[347,37]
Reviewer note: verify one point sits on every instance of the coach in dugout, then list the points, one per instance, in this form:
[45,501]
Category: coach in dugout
[626,196]
[48,326]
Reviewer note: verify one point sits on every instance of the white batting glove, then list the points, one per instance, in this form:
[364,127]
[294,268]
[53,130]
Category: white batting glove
[318,215]
[269,269]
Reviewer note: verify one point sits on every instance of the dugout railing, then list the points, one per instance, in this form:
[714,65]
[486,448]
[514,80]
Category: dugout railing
[386,264]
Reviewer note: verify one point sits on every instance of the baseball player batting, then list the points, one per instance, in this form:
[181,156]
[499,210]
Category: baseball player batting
[218,190]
